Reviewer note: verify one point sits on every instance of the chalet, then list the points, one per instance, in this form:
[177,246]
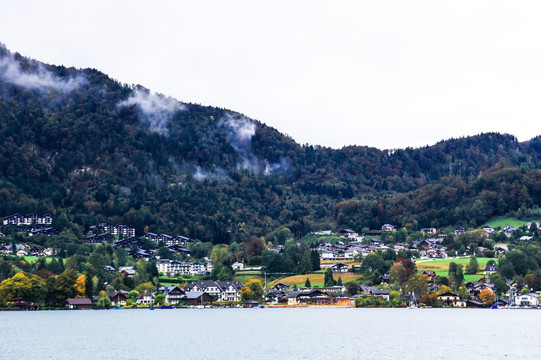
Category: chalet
[451,300]
[167,240]
[173,294]
[33,250]
[109,269]
[49,231]
[145,298]
[119,298]
[22,303]
[328,255]
[281,286]
[197,298]
[388,227]
[347,233]
[460,230]
[430,275]
[78,304]
[8,249]
[126,270]
[381,294]
[488,230]
[336,289]
[475,303]
[246,304]
[474,288]
[431,231]
[525,238]
[179,250]
[508,229]
[220,290]
[22,253]
[311,297]
[237,266]
[490,269]
[141,253]
[340,268]
[100,238]
[128,243]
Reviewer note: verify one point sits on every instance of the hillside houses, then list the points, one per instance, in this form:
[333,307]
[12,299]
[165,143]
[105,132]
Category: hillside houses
[123,230]
[29,219]
[176,267]
[167,240]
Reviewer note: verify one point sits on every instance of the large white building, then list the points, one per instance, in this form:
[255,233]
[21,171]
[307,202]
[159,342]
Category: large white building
[176,267]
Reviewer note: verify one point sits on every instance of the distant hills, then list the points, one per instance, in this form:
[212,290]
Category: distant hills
[82,146]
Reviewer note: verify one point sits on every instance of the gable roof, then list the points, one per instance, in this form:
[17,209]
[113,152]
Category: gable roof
[77,301]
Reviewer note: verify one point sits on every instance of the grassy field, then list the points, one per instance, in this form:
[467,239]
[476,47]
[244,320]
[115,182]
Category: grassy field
[316,279]
[31,259]
[501,221]
[441,266]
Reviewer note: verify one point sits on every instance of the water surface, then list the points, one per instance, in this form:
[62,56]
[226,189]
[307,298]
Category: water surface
[299,333]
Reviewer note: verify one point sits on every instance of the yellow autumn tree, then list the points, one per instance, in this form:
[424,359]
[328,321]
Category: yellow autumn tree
[444,289]
[487,296]
[252,290]
[21,285]
[80,286]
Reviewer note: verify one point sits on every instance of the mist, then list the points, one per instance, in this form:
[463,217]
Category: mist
[36,76]
[154,109]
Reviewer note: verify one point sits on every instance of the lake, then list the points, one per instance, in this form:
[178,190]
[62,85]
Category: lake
[297,333]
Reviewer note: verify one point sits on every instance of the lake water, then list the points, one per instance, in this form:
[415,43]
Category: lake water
[298,333]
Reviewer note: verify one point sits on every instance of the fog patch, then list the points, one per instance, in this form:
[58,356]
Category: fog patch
[155,110]
[34,75]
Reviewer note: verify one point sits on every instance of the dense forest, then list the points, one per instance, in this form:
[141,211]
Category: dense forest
[86,148]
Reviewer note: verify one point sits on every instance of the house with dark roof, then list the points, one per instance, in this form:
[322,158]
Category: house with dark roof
[449,299]
[145,298]
[490,269]
[225,291]
[339,268]
[78,304]
[119,298]
[197,298]
[173,294]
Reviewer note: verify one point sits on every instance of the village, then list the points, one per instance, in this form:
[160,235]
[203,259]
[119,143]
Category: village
[343,255]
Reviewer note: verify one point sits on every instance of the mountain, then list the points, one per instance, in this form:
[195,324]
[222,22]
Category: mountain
[86,148]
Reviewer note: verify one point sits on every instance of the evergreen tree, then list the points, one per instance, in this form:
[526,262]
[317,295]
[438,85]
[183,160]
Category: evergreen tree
[88,286]
[339,282]
[473,266]
[307,284]
[329,280]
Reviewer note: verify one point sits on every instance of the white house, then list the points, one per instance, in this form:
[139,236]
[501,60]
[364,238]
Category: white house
[529,299]
[237,266]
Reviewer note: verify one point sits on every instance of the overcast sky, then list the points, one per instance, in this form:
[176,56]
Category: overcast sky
[388,74]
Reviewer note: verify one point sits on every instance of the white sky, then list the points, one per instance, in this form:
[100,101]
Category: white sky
[387,74]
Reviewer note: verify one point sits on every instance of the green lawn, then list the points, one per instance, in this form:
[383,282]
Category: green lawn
[441,266]
[501,221]
[32,259]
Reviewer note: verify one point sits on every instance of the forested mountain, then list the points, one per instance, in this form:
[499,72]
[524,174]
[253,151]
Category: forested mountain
[86,148]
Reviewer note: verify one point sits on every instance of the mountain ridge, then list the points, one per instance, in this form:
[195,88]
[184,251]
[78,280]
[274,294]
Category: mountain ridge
[85,147]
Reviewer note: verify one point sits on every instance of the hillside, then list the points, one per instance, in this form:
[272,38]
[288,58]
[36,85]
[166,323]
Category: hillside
[86,148]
